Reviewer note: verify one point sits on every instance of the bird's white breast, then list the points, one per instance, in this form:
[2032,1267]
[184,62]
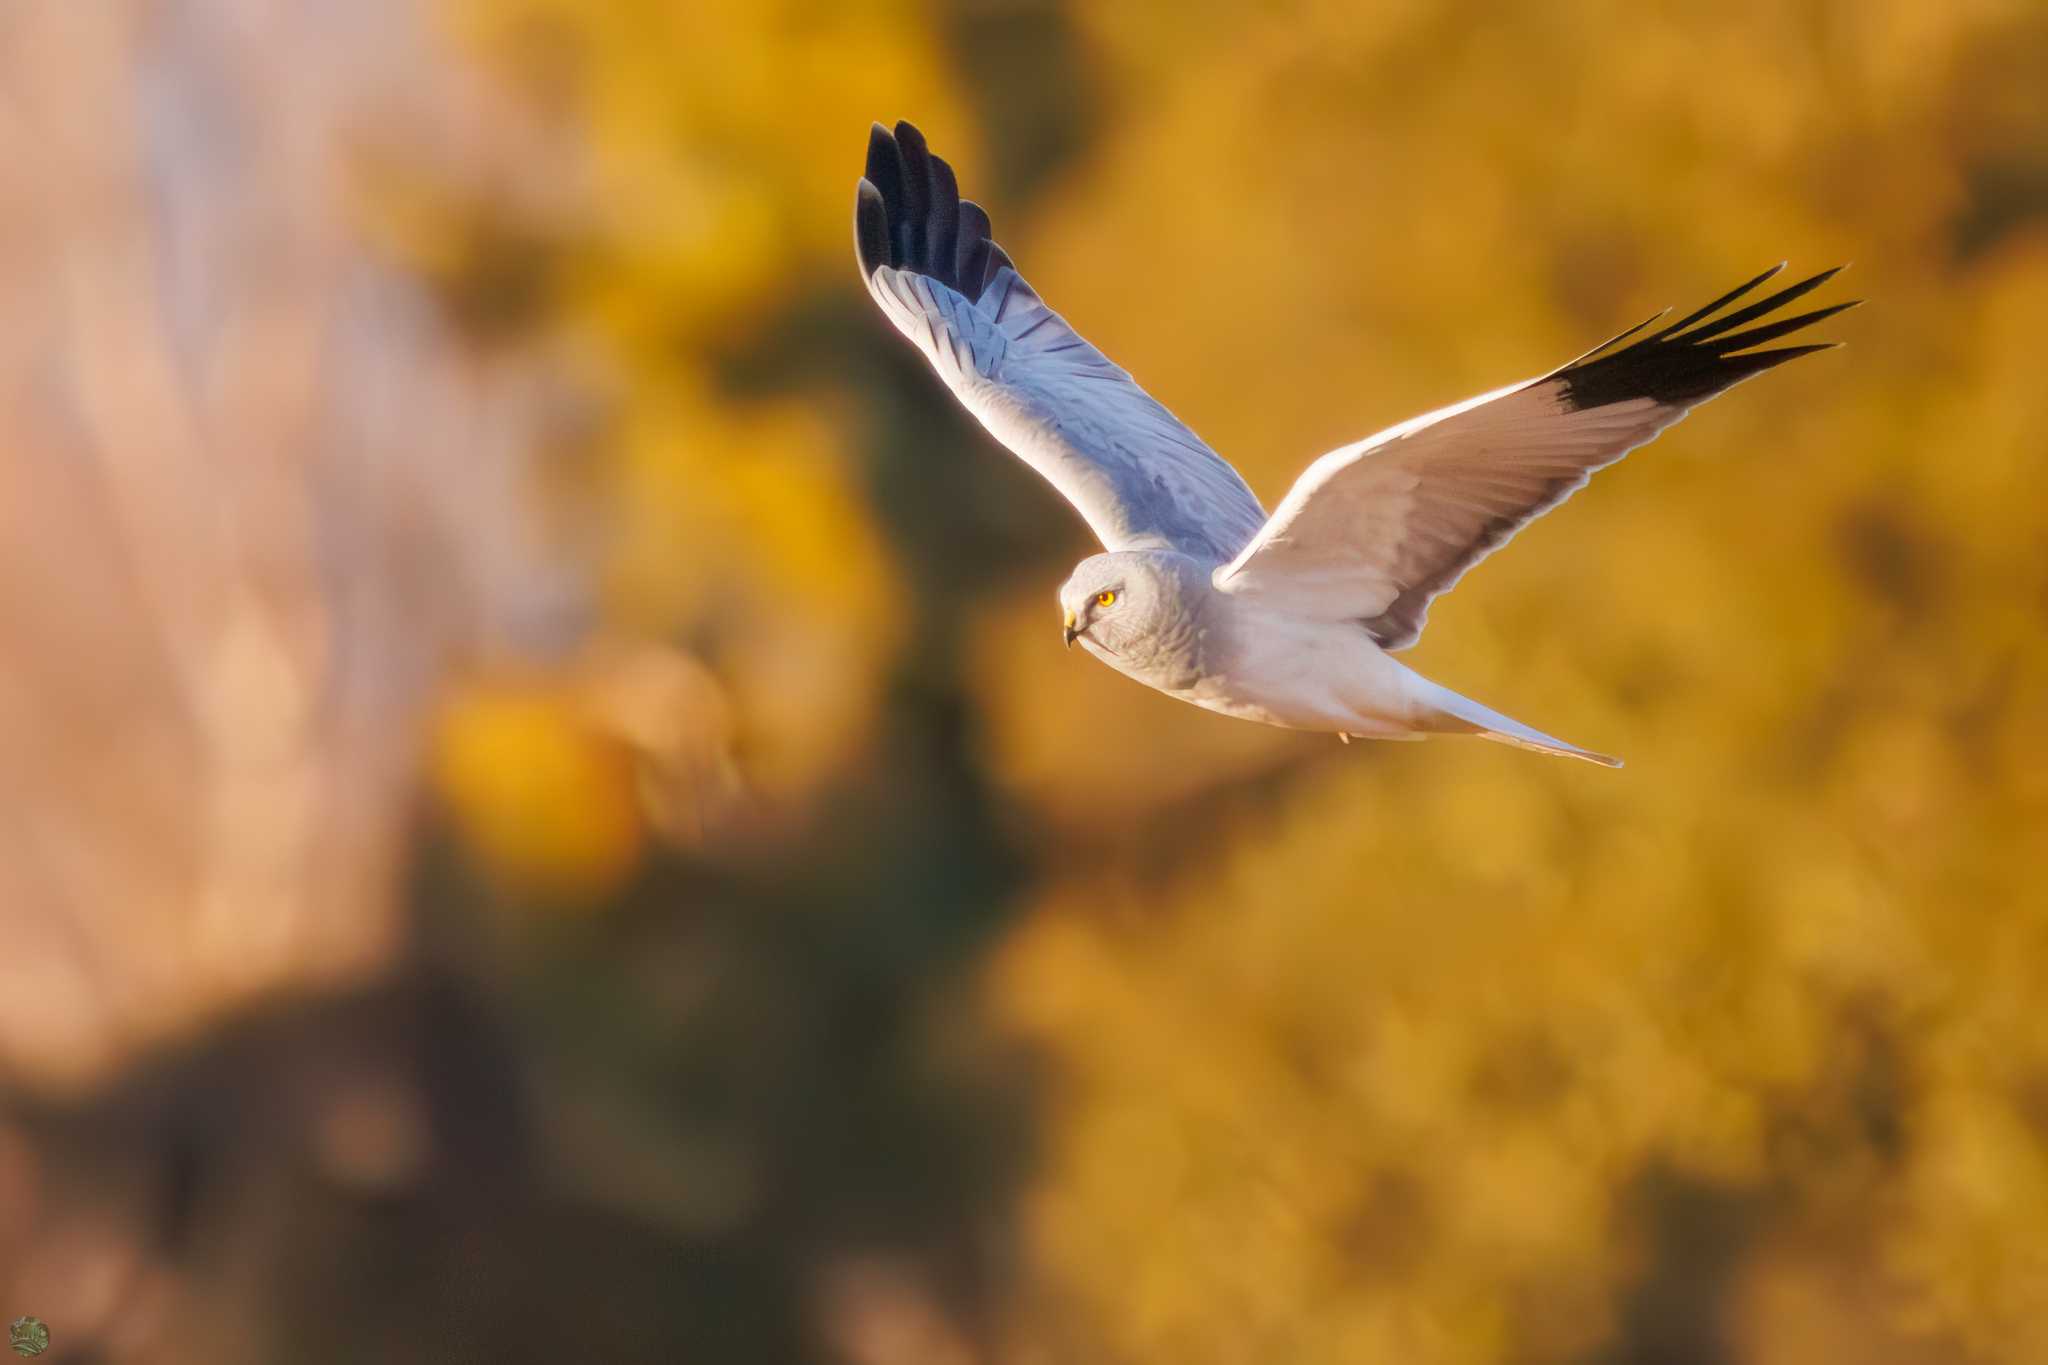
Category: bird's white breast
[1302,674]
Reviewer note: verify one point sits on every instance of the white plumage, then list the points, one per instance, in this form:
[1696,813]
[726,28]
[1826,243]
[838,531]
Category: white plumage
[1288,620]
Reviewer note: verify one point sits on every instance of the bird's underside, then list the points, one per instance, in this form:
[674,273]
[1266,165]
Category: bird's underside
[1290,618]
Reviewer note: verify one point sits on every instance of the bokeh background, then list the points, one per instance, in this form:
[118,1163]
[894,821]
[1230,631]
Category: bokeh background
[543,817]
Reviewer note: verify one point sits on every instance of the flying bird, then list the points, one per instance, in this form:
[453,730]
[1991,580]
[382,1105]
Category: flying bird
[1292,618]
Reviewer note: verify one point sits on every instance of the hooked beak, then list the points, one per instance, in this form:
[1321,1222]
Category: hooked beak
[1071,629]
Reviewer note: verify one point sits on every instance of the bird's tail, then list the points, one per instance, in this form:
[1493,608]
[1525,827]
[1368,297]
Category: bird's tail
[1462,716]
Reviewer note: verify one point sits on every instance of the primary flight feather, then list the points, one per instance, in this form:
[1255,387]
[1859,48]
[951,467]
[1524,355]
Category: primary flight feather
[1289,619]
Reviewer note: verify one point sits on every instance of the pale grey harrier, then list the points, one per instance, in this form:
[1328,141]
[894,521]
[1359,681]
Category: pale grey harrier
[1289,619]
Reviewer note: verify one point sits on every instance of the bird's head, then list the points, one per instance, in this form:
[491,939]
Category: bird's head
[1116,602]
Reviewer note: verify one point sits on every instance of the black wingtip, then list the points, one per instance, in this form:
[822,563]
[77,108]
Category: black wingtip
[1751,312]
[1771,331]
[1718,304]
[908,213]
[1616,339]
[1701,354]
[1752,363]
[971,250]
[870,228]
[942,219]
[885,167]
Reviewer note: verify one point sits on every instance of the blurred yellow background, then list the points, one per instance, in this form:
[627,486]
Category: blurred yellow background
[547,818]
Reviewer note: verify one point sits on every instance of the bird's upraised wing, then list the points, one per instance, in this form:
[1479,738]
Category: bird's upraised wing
[1139,478]
[1372,532]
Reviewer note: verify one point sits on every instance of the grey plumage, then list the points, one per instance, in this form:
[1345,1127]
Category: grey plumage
[1289,619]
[1138,476]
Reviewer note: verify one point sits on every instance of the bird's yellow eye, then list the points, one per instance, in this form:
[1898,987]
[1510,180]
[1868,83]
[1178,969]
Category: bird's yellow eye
[1105,599]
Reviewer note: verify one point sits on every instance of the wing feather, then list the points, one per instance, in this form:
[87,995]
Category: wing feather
[1373,532]
[1136,474]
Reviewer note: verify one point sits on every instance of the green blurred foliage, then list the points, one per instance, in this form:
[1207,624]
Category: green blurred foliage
[1431,1053]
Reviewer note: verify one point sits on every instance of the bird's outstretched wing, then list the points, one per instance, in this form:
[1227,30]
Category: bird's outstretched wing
[1139,478]
[1373,531]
